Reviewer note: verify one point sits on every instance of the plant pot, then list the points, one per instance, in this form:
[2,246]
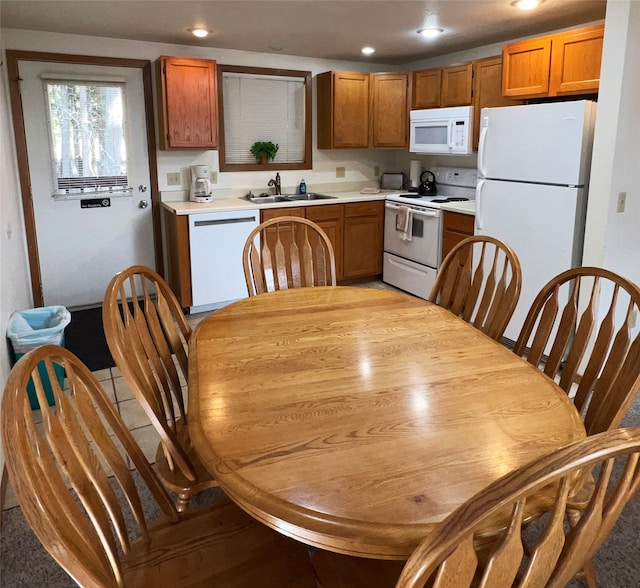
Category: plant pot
[264,160]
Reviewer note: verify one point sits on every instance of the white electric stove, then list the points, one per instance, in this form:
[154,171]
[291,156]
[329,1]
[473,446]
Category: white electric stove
[413,230]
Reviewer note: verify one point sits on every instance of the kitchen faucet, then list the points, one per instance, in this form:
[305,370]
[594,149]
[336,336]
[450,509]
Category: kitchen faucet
[276,182]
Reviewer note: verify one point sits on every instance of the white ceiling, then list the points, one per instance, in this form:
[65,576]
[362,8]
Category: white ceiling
[330,29]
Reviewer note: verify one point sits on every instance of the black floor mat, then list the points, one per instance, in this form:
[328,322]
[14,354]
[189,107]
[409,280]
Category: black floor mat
[84,336]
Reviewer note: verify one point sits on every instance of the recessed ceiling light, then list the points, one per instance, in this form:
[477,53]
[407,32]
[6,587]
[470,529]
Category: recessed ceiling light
[430,33]
[201,33]
[368,50]
[526,4]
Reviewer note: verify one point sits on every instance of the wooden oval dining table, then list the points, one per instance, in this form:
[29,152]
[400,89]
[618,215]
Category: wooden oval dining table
[356,419]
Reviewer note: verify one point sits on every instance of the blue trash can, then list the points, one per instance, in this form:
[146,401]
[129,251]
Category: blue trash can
[29,329]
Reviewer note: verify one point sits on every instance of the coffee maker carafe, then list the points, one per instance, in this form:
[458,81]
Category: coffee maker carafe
[200,184]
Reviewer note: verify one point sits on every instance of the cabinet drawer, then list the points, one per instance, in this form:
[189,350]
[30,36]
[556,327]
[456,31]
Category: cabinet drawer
[460,223]
[364,208]
[324,212]
[269,213]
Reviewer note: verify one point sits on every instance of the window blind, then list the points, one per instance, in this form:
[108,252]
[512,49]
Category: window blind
[263,108]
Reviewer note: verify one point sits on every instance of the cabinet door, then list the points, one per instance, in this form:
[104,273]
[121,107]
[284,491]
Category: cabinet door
[426,88]
[487,90]
[575,61]
[176,230]
[526,67]
[456,227]
[362,239]
[350,110]
[189,103]
[329,217]
[456,85]
[389,110]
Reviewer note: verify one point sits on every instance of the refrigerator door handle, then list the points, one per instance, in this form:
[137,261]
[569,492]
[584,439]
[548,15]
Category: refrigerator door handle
[479,187]
[481,142]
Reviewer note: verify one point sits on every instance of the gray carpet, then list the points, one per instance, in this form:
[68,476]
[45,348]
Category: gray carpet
[25,564]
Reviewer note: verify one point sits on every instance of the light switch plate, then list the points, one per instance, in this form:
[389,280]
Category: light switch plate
[622,201]
[340,171]
[173,179]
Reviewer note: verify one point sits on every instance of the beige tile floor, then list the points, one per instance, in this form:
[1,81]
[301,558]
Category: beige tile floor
[130,409]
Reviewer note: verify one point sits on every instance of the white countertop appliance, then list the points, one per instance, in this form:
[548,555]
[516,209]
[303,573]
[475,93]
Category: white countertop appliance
[533,171]
[413,230]
[200,190]
[444,131]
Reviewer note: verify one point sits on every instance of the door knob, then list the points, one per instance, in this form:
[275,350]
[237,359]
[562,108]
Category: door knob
[143,204]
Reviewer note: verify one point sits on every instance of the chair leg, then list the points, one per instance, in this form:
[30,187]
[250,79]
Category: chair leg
[183,501]
[3,491]
[588,572]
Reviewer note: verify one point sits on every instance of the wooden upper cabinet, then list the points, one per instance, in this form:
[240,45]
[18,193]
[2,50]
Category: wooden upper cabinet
[343,110]
[426,88]
[557,65]
[457,85]
[361,110]
[487,90]
[441,87]
[525,68]
[575,61]
[189,103]
[389,110]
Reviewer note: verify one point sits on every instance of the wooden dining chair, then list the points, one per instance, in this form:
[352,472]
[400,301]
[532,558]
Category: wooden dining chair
[72,477]
[288,252]
[148,337]
[479,281]
[580,332]
[460,552]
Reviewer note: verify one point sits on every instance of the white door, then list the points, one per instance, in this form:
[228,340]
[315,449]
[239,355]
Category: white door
[544,225]
[86,234]
[542,143]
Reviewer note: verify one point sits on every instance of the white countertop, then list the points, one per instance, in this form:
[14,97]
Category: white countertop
[468,207]
[239,203]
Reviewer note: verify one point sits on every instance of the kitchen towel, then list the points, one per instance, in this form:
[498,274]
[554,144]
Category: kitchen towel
[403,222]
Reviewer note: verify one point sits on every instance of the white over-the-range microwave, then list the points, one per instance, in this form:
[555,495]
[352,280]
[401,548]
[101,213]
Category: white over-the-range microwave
[442,131]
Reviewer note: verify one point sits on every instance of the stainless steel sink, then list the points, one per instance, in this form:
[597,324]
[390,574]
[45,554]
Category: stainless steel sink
[287,198]
[309,196]
[267,199]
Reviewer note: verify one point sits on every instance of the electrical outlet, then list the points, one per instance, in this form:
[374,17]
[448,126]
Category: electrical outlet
[376,171]
[622,201]
[214,177]
[340,171]
[173,179]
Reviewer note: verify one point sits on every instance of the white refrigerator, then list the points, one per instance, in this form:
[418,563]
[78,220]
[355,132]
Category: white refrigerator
[533,171]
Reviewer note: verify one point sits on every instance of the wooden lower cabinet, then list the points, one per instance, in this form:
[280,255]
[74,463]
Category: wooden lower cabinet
[329,217]
[362,239]
[176,230]
[455,228]
[355,231]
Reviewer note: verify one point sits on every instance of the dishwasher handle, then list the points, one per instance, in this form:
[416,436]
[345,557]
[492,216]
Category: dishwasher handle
[224,221]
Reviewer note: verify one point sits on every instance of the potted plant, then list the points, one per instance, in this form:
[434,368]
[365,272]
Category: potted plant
[263,151]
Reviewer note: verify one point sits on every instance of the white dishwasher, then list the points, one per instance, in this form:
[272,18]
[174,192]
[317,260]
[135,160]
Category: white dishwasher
[216,241]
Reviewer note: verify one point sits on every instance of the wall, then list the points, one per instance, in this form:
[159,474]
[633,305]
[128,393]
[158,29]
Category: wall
[15,287]
[612,238]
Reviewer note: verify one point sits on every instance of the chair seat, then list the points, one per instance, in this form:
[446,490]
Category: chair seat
[242,553]
[174,479]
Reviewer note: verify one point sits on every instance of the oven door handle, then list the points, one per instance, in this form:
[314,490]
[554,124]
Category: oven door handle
[415,211]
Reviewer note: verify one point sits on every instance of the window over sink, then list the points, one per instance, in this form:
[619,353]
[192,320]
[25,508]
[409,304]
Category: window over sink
[263,104]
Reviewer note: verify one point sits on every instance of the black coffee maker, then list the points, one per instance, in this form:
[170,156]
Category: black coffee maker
[427,187]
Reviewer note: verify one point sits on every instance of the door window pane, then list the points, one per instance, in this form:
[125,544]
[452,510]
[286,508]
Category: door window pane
[87,137]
